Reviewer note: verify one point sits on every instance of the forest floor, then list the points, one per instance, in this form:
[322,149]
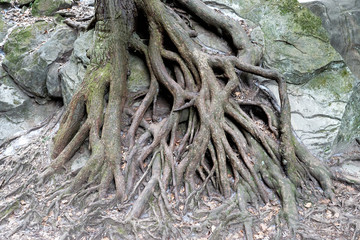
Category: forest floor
[28,154]
[319,217]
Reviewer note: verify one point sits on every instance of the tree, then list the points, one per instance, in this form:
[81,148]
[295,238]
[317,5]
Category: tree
[231,144]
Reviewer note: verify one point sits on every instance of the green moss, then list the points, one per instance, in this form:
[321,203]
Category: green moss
[21,40]
[306,21]
[337,82]
[48,7]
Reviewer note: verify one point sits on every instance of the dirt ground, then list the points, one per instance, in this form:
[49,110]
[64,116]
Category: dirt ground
[24,157]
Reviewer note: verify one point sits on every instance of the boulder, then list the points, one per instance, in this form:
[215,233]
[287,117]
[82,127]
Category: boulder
[139,78]
[30,51]
[7,2]
[18,112]
[73,71]
[348,136]
[4,27]
[23,2]
[342,21]
[49,7]
[53,81]
[296,44]
[11,96]
[88,2]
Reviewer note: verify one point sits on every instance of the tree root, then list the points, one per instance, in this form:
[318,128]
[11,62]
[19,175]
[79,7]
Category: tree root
[229,145]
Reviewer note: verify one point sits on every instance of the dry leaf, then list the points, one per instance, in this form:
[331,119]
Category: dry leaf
[308,205]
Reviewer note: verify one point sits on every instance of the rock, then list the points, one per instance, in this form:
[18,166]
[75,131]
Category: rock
[139,78]
[11,96]
[80,158]
[25,117]
[18,112]
[88,2]
[7,2]
[49,7]
[73,72]
[342,21]
[317,107]
[210,41]
[24,2]
[53,81]
[349,132]
[31,50]
[296,44]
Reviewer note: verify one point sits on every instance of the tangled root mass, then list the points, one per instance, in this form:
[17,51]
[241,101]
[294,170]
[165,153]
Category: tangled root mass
[222,133]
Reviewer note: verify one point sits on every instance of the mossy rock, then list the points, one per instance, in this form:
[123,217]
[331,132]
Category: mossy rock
[24,2]
[49,7]
[349,132]
[295,43]
[139,78]
[30,51]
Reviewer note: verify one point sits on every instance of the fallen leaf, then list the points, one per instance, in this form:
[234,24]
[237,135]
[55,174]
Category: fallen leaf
[308,205]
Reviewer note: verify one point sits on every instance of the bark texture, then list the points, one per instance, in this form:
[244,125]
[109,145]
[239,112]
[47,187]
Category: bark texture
[236,139]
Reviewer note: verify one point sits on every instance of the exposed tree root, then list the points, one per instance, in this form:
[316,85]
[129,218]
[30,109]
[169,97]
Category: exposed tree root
[243,150]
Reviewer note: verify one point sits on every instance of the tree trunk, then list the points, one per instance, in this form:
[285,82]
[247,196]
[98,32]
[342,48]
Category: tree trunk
[236,141]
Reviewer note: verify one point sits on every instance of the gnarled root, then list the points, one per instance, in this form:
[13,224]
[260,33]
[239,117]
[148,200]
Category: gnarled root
[229,144]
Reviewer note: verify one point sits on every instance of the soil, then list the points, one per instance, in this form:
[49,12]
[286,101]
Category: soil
[24,157]
[29,154]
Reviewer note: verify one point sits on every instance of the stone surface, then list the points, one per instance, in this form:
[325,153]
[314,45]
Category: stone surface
[139,78]
[18,112]
[350,125]
[4,27]
[73,72]
[88,2]
[342,20]
[11,96]
[318,106]
[53,81]
[31,50]
[24,2]
[49,7]
[25,117]
[296,44]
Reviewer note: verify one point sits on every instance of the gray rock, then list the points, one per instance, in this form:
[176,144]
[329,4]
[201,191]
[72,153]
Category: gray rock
[317,107]
[24,2]
[71,75]
[89,2]
[49,7]
[18,112]
[11,96]
[296,44]
[73,72]
[342,21]
[31,50]
[209,41]
[349,130]
[53,81]
[139,78]
[25,117]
